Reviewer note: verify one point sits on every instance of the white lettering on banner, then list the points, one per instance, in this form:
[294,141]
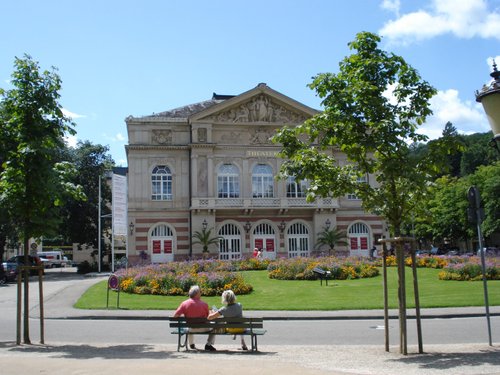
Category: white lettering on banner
[119,205]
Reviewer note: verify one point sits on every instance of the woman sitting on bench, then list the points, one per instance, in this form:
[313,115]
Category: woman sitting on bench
[230,310]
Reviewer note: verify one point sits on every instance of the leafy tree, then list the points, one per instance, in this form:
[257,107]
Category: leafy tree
[487,179]
[477,152]
[448,210]
[205,238]
[373,107]
[32,182]
[330,238]
[80,216]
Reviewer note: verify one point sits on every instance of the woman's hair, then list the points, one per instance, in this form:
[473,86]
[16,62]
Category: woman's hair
[193,291]
[228,297]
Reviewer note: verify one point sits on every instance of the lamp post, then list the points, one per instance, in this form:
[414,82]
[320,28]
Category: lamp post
[489,97]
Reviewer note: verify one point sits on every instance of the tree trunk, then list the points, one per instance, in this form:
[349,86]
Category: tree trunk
[26,272]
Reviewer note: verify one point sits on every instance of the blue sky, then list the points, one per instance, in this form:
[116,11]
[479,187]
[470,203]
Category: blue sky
[121,57]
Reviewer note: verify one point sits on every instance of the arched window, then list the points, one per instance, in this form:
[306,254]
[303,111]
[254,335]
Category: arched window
[298,240]
[230,243]
[262,181]
[296,189]
[161,183]
[228,181]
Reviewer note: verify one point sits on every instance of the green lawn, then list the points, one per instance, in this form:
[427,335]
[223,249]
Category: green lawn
[357,294]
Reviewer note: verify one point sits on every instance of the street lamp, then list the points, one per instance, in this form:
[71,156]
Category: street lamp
[131,226]
[489,97]
[204,224]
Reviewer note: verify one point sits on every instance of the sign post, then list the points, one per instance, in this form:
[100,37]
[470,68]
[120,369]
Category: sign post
[476,215]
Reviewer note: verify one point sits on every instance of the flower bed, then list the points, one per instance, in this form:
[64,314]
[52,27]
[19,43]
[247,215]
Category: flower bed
[470,269]
[175,278]
[340,268]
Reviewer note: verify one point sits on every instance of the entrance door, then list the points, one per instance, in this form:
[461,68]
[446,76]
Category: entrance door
[358,239]
[162,240]
[265,239]
[230,243]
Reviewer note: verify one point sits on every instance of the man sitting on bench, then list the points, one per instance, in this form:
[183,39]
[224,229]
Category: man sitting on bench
[194,307]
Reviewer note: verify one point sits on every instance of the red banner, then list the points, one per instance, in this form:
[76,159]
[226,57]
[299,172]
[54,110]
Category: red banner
[167,246]
[364,243]
[259,243]
[354,243]
[269,244]
[156,247]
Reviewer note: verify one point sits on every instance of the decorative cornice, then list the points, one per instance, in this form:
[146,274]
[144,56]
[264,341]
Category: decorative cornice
[158,147]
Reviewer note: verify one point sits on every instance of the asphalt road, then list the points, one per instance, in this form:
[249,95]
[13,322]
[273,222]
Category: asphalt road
[126,344]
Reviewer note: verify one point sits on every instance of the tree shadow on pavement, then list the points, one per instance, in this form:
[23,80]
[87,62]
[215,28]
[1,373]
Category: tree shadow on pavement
[132,351]
[453,361]
[129,351]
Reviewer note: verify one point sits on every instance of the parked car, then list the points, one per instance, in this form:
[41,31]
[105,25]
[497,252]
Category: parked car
[11,266]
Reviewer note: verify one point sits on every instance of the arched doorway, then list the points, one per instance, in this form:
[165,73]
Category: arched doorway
[264,237]
[298,240]
[230,243]
[162,244]
[359,235]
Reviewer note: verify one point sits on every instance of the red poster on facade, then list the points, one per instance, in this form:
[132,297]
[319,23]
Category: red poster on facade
[269,244]
[354,243]
[364,243]
[167,246]
[156,247]
[259,243]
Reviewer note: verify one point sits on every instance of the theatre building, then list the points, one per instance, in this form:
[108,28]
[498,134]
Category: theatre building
[212,165]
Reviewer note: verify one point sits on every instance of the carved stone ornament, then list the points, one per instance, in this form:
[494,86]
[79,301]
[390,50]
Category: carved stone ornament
[261,136]
[259,109]
[163,136]
[202,135]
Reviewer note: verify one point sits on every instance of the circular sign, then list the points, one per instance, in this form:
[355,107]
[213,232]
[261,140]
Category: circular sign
[113,282]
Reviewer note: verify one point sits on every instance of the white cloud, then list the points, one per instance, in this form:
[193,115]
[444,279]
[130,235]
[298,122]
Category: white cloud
[466,116]
[391,5]
[464,19]
[71,140]
[71,115]
[118,137]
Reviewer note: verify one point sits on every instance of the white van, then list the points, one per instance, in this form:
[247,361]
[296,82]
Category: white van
[52,259]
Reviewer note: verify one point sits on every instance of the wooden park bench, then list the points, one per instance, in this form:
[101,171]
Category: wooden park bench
[322,274]
[222,326]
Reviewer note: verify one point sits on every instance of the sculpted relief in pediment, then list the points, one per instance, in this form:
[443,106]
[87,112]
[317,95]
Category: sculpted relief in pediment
[260,109]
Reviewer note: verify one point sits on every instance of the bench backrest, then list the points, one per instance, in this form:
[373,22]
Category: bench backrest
[247,323]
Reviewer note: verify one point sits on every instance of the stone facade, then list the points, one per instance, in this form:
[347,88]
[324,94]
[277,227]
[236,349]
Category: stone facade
[212,165]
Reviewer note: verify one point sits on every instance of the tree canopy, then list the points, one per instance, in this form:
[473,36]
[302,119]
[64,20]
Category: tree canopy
[372,109]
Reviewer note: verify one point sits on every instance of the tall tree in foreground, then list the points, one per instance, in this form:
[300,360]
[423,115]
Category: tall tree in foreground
[32,181]
[372,109]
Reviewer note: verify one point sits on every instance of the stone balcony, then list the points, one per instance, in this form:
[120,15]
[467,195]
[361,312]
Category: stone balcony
[254,203]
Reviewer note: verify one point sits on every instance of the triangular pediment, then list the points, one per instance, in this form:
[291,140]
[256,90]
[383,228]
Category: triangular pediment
[260,105]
